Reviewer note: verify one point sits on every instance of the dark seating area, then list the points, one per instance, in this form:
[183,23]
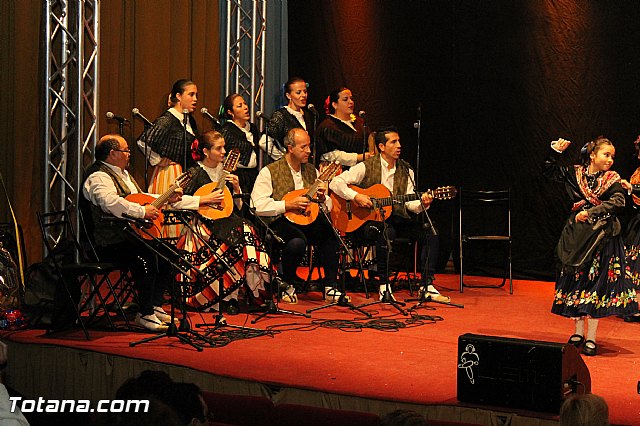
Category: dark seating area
[241,410]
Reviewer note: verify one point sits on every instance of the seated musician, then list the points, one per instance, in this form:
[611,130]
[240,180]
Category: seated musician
[232,237]
[106,186]
[274,182]
[395,174]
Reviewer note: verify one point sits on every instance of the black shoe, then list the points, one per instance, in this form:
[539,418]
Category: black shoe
[632,318]
[590,348]
[576,340]
[233,308]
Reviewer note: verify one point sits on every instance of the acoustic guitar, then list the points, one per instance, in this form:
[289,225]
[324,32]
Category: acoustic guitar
[310,214]
[348,216]
[144,199]
[224,209]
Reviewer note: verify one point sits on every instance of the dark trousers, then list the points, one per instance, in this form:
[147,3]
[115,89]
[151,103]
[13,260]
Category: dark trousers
[296,238]
[404,228]
[151,274]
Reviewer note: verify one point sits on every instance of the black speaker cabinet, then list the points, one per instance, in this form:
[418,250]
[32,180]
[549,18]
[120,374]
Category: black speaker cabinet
[517,373]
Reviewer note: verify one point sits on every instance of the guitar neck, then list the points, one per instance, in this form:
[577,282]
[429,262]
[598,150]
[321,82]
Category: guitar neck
[223,179]
[311,192]
[162,199]
[398,199]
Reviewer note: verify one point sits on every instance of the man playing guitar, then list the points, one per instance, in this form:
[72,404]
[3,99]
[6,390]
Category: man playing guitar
[105,187]
[274,182]
[388,169]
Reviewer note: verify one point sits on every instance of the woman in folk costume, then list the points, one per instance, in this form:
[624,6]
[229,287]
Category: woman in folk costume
[632,233]
[169,140]
[239,257]
[593,281]
[241,134]
[294,114]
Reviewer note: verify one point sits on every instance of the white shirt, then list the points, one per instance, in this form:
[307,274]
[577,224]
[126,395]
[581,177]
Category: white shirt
[356,174]
[262,194]
[253,161]
[6,416]
[274,152]
[299,115]
[100,189]
[344,158]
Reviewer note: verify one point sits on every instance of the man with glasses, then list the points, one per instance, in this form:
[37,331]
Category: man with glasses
[106,187]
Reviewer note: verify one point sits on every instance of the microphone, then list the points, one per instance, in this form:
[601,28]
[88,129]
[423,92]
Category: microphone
[142,222]
[313,109]
[113,116]
[137,112]
[262,116]
[206,112]
[362,114]
[405,163]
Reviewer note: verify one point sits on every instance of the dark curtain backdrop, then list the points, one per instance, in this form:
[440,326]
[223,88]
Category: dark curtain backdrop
[145,45]
[496,82]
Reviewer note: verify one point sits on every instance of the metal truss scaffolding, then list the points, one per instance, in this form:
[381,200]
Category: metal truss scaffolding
[245,50]
[70,99]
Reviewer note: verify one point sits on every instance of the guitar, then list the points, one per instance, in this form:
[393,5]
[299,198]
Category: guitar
[310,214]
[144,199]
[348,216]
[224,209]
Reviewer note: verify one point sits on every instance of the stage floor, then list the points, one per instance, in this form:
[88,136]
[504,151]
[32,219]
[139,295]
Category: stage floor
[405,361]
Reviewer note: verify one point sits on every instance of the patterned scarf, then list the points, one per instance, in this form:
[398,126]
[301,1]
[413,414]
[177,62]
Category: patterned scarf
[591,196]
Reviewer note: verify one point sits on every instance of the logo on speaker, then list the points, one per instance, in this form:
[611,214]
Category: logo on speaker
[469,359]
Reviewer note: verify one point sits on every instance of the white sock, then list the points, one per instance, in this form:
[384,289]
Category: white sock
[592,328]
[579,325]
[383,287]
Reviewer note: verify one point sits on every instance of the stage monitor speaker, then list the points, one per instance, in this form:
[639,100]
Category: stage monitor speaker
[517,373]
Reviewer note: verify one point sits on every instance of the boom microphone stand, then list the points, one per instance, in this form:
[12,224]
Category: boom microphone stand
[425,297]
[342,300]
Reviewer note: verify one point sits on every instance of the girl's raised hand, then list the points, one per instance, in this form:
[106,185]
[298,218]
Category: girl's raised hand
[560,144]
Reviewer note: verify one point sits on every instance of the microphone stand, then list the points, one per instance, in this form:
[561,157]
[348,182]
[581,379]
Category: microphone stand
[418,126]
[342,300]
[271,305]
[387,295]
[365,144]
[316,161]
[186,148]
[426,297]
[172,330]
[147,154]
[266,140]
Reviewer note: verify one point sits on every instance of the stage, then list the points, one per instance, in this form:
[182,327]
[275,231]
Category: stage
[374,365]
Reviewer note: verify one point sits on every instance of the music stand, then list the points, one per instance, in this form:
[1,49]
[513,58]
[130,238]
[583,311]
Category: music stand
[342,300]
[220,320]
[172,330]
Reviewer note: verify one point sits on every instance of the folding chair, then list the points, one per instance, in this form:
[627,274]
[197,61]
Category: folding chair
[76,269]
[485,219]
